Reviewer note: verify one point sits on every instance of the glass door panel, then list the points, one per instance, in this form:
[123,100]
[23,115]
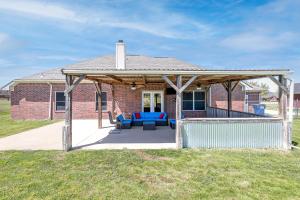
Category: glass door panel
[152,101]
[147,102]
[157,102]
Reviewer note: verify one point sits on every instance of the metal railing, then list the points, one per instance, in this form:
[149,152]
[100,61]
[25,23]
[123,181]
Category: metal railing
[213,112]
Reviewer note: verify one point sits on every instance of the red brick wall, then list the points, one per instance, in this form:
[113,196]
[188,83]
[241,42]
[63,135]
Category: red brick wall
[297,100]
[219,97]
[31,101]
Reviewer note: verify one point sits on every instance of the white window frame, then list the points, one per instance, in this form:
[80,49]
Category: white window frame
[152,92]
[96,93]
[59,101]
[193,91]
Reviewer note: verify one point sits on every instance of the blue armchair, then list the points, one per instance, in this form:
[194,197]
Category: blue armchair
[123,123]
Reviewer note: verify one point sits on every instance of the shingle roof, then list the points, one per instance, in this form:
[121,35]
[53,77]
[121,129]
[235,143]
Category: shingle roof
[297,88]
[133,62]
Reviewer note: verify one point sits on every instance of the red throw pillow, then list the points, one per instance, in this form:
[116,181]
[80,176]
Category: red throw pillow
[161,116]
[137,115]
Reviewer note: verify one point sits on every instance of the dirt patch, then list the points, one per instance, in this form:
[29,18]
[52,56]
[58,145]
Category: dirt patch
[149,157]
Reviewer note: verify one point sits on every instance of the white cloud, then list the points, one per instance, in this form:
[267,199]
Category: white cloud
[7,42]
[161,22]
[256,41]
[40,9]
[58,57]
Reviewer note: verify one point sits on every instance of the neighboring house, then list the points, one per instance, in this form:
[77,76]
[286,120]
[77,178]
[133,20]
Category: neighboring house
[245,96]
[297,95]
[4,94]
[41,96]
[272,97]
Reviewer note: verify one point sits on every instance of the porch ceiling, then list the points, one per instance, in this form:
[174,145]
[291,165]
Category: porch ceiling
[205,77]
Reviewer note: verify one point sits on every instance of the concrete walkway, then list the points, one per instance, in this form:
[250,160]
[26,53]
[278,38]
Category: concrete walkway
[48,137]
[86,135]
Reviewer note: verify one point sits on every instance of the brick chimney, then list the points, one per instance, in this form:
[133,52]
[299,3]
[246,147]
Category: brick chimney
[120,55]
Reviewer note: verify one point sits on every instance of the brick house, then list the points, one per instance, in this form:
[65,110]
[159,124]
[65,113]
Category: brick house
[297,95]
[194,97]
[41,96]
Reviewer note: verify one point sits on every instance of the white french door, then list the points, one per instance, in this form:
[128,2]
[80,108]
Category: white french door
[152,101]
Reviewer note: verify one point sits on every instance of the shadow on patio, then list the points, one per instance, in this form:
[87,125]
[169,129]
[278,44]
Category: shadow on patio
[88,136]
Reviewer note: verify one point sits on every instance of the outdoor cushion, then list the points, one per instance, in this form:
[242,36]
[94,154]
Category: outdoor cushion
[173,121]
[126,121]
[137,115]
[120,117]
[138,120]
[150,115]
[161,116]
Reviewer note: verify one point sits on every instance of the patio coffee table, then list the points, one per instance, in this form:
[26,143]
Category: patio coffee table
[149,125]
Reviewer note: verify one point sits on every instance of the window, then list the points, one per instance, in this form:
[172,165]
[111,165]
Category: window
[193,100]
[104,101]
[60,101]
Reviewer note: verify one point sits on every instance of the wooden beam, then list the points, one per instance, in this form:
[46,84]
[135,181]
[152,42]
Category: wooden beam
[236,84]
[291,100]
[67,131]
[225,85]
[277,82]
[113,101]
[283,111]
[187,84]
[171,83]
[144,80]
[115,78]
[99,89]
[229,99]
[74,85]
[178,112]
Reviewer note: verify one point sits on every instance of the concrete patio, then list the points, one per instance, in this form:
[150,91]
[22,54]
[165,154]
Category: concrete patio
[86,135]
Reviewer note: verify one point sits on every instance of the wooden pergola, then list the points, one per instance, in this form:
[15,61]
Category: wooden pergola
[179,81]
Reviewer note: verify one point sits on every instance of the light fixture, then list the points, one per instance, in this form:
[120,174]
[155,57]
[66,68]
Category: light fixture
[133,86]
[199,87]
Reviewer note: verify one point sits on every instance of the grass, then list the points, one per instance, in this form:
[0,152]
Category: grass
[10,127]
[151,174]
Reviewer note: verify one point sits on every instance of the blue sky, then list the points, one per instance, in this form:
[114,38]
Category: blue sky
[236,34]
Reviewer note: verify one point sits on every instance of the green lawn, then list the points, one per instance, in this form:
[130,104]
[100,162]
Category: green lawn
[10,127]
[151,174]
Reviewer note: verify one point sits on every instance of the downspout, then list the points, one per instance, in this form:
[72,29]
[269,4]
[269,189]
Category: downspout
[50,101]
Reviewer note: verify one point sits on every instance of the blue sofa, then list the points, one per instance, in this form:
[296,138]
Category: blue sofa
[123,123]
[150,116]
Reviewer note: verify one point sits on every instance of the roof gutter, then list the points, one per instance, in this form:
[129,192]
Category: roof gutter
[175,72]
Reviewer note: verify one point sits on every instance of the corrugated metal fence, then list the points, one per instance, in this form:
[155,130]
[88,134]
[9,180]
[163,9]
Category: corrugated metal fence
[233,133]
[213,112]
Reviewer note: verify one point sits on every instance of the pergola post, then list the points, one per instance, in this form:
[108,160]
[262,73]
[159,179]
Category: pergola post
[67,133]
[67,129]
[229,99]
[291,101]
[178,112]
[179,88]
[283,110]
[99,104]
[113,101]
[282,99]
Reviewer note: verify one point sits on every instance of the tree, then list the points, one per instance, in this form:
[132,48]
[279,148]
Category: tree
[263,86]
